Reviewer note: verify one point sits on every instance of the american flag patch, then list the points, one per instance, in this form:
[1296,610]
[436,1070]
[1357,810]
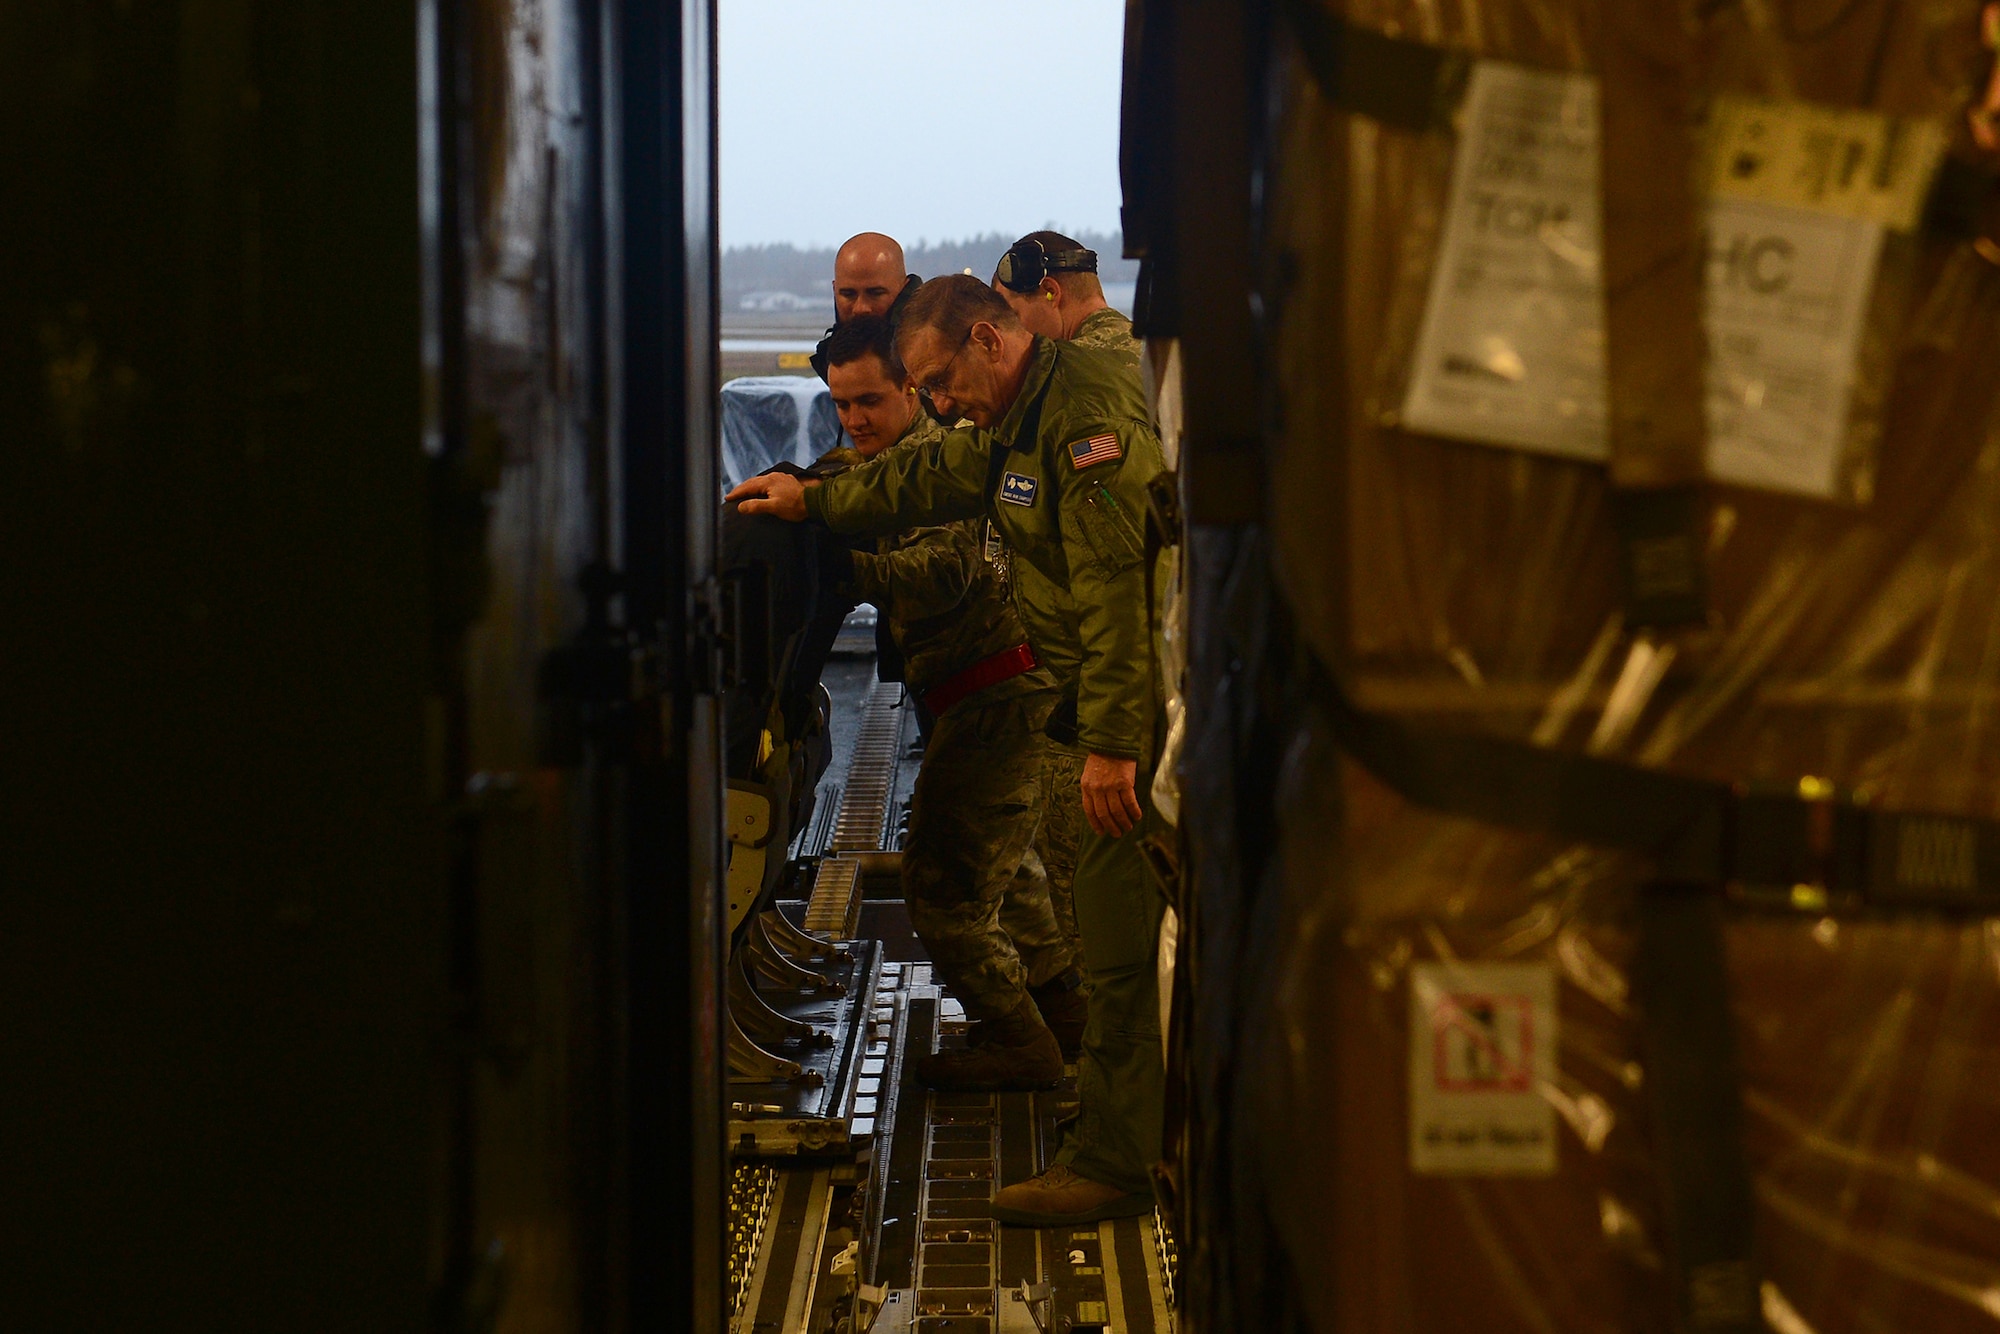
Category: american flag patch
[1097,449]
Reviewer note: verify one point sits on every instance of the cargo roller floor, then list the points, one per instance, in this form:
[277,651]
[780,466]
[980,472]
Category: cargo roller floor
[947,1268]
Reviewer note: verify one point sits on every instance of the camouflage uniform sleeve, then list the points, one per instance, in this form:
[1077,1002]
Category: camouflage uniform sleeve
[935,482]
[927,573]
[1103,527]
[1110,331]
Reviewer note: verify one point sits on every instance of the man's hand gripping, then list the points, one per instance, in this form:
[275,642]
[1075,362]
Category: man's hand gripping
[775,493]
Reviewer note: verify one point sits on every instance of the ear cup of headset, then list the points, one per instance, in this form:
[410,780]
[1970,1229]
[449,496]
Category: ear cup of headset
[1026,267]
[1027,263]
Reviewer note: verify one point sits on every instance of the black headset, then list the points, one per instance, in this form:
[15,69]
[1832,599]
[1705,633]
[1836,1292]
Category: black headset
[1027,262]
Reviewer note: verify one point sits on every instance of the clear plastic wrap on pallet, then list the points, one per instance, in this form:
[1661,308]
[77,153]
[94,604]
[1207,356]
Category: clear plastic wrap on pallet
[771,419]
[1467,575]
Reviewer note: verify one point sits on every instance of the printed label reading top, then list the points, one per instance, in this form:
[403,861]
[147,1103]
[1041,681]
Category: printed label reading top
[1511,348]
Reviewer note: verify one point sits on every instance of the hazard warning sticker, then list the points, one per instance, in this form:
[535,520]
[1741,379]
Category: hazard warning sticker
[1482,1062]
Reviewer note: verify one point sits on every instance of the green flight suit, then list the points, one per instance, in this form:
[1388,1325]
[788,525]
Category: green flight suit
[1060,839]
[1062,477]
[1065,829]
[973,883]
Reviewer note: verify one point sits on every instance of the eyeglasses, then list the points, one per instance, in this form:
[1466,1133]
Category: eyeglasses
[935,385]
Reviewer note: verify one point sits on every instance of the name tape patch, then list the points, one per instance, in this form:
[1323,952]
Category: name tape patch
[1097,449]
[1018,490]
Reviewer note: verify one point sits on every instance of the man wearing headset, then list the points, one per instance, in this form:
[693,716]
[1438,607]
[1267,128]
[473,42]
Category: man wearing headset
[1059,464]
[1051,282]
[977,895]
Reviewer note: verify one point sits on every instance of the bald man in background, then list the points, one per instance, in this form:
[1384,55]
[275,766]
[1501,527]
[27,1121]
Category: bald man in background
[869,278]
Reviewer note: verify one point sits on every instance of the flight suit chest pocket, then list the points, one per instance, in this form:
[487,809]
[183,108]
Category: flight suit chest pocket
[1110,530]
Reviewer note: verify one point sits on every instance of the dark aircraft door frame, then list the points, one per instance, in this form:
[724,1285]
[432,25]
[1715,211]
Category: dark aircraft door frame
[633,695]
[662,252]
[353,979]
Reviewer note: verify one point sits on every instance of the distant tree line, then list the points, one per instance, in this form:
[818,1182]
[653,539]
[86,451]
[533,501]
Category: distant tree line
[806,272]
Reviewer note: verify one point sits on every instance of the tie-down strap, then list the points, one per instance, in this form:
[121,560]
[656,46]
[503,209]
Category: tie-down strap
[1810,845]
[1810,848]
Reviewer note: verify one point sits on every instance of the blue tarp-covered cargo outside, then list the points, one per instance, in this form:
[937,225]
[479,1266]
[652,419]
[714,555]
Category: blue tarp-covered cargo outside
[769,419]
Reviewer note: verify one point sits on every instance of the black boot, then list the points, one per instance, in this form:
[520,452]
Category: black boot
[1016,1052]
[1063,1006]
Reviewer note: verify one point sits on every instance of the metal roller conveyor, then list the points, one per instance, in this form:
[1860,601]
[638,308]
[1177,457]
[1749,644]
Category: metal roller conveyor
[881,1192]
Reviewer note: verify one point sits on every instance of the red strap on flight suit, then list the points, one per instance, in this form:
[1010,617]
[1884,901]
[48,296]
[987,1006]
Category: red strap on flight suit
[1002,666]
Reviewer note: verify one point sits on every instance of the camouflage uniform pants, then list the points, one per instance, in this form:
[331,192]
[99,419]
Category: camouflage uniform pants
[1061,836]
[973,883]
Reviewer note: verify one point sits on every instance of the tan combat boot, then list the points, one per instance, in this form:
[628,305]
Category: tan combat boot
[1059,1197]
[1017,1053]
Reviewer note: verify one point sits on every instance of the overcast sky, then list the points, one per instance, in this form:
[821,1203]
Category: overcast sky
[921,118]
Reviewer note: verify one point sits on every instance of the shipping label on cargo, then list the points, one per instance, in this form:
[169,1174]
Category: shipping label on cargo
[1786,307]
[1482,1062]
[1840,160]
[1511,349]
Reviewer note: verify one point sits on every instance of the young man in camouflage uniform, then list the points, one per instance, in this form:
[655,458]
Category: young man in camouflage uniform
[971,878]
[1060,463]
[1065,301]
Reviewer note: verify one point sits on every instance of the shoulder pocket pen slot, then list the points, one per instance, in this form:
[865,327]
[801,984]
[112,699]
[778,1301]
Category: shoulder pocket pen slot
[1109,531]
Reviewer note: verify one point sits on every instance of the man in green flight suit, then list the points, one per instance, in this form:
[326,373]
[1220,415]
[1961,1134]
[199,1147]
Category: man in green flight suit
[1051,282]
[977,895]
[1060,465]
